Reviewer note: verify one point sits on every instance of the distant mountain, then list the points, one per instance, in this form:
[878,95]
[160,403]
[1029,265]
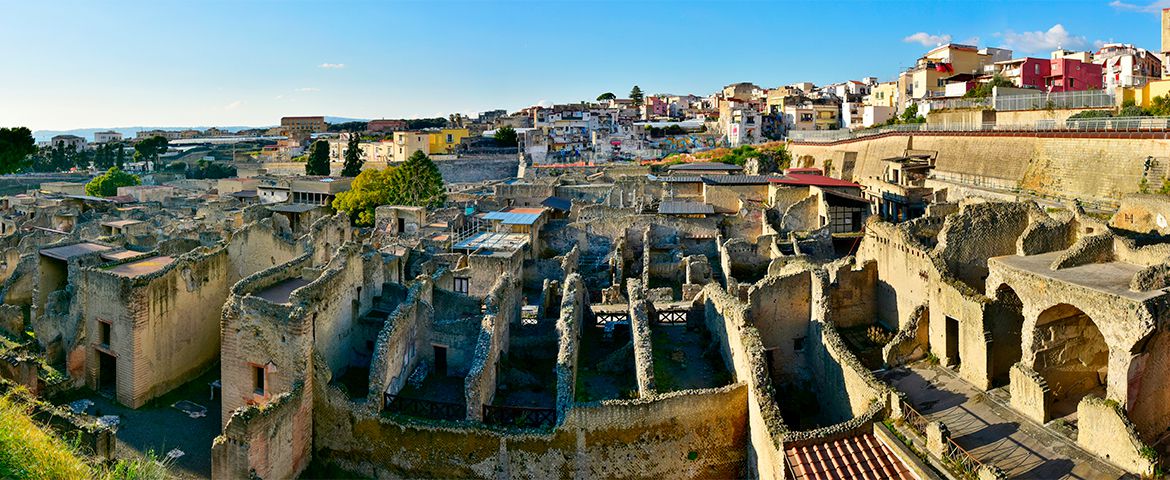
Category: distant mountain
[130,132]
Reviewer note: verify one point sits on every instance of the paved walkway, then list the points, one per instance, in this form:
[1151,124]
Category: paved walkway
[992,432]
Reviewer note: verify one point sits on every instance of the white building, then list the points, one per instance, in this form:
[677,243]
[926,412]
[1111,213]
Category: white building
[66,141]
[1124,65]
[107,137]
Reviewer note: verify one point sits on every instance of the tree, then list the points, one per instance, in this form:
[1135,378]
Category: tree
[369,190]
[103,157]
[120,159]
[506,136]
[417,182]
[148,150]
[16,145]
[1160,106]
[984,90]
[318,161]
[606,96]
[637,96]
[353,157]
[106,185]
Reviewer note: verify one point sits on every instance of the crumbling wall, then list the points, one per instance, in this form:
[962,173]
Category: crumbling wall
[492,343]
[743,353]
[1143,213]
[694,434]
[1103,430]
[780,309]
[401,342]
[274,441]
[256,247]
[978,232]
[640,330]
[851,296]
[569,324]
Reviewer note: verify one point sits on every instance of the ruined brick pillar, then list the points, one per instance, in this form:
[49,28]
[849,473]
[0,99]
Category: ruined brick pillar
[936,438]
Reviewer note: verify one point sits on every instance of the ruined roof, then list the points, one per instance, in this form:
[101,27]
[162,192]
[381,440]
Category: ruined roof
[860,457]
[1107,277]
[680,179]
[705,167]
[120,255]
[685,208]
[281,291]
[142,267]
[75,250]
[736,180]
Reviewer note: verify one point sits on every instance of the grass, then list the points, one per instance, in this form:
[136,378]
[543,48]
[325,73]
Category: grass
[29,451]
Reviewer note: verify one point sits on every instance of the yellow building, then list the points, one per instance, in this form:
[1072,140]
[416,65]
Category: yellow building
[882,95]
[445,140]
[942,62]
[1144,95]
[406,143]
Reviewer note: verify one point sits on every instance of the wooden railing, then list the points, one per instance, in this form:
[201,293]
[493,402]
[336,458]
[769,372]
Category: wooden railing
[522,417]
[914,419]
[966,464]
[417,407]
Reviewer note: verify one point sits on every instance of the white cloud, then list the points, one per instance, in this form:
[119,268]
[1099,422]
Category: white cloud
[544,104]
[1152,7]
[333,66]
[1037,41]
[308,90]
[234,105]
[928,40]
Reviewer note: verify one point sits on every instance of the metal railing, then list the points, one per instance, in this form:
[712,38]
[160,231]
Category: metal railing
[417,407]
[520,417]
[956,103]
[1105,124]
[1057,100]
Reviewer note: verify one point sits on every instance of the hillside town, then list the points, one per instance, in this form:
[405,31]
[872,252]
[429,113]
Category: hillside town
[961,272]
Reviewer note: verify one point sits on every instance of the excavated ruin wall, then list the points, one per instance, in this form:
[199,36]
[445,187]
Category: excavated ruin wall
[1091,168]
[692,434]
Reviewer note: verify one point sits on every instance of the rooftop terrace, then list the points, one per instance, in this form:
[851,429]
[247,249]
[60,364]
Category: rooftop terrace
[142,267]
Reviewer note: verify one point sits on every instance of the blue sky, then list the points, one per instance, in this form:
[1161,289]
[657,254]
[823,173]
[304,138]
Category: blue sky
[73,64]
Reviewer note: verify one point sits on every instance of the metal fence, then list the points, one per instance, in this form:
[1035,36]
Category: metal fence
[417,407]
[520,417]
[1059,100]
[956,103]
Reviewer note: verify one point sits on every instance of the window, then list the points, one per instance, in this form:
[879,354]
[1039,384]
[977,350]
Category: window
[798,344]
[1036,68]
[258,375]
[462,285]
[104,329]
[450,138]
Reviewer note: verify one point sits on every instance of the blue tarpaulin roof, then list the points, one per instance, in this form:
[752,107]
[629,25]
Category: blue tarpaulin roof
[562,204]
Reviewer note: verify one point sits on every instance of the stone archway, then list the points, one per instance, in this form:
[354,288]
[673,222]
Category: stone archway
[1004,320]
[1070,353]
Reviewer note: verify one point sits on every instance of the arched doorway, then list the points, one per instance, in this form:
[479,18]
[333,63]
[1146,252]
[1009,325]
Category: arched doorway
[1072,356]
[1005,322]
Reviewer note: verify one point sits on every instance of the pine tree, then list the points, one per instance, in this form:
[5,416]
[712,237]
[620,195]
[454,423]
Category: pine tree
[637,96]
[353,157]
[417,182]
[318,161]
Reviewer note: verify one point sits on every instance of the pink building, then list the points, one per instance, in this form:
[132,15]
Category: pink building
[1061,75]
[1069,75]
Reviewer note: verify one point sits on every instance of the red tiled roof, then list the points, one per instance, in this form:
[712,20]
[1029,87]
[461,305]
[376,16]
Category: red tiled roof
[810,179]
[860,457]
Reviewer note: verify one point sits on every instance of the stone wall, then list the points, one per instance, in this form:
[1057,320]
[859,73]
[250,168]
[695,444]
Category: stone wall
[640,330]
[161,331]
[569,324]
[780,309]
[256,247]
[406,330]
[662,437]
[1103,430]
[852,298]
[1088,167]
[270,442]
[502,310]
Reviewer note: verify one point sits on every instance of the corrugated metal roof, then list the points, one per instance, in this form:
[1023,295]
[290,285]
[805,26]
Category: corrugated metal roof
[805,179]
[685,208]
[558,203]
[513,218]
[736,179]
[706,166]
[680,179]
